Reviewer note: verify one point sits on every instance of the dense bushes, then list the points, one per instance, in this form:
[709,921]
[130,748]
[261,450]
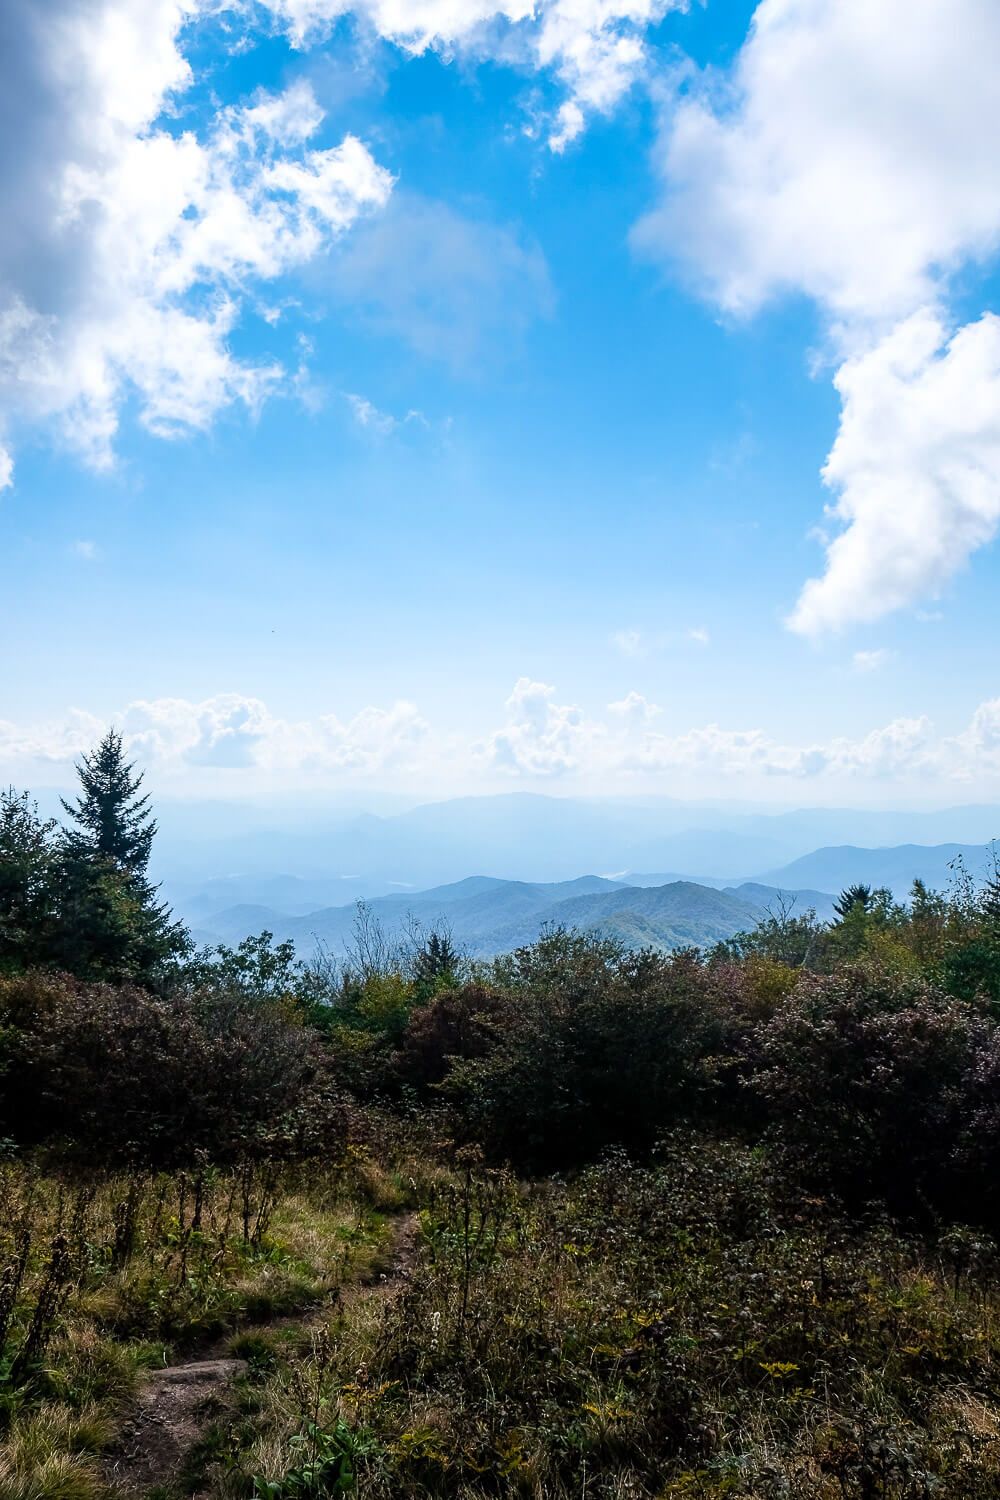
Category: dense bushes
[869,1082]
[874,1082]
[596,1047]
[119,1076]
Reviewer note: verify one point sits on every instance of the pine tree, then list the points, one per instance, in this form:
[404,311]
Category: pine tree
[111,924]
[115,823]
[27,881]
[854,898]
[990,899]
[435,964]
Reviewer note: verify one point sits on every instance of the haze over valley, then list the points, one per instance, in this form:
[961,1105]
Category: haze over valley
[497,870]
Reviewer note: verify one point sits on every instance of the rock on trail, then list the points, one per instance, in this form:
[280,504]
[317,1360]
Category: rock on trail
[169,1417]
[177,1404]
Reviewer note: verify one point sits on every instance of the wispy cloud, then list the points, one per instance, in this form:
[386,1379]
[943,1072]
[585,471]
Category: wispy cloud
[460,290]
[369,417]
[637,643]
[871,661]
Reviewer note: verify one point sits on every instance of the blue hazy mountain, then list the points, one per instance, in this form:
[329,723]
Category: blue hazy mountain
[517,837]
[486,915]
[896,867]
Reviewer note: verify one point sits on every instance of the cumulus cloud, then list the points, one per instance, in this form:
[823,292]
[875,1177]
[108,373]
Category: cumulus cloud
[916,468]
[977,748]
[541,737]
[540,741]
[57,741]
[122,273]
[816,167]
[230,732]
[126,269]
[634,709]
[595,48]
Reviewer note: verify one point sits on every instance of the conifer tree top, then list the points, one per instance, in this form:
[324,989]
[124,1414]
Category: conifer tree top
[114,821]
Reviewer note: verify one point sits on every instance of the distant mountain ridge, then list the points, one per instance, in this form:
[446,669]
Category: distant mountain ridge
[486,916]
[491,914]
[896,867]
[350,854]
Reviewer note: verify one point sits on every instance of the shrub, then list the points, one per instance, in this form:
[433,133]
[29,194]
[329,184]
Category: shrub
[866,1077]
[118,1076]
[597,1047]
[456,1025]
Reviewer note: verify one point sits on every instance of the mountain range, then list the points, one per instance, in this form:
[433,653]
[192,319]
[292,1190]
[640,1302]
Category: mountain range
[486,916]
[523,836]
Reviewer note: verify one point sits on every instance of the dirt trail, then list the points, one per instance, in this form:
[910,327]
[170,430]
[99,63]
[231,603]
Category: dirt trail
[402,1256]
[177,1404]
[169,1417]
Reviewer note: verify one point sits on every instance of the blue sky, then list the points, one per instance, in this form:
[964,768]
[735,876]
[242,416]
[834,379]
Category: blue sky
[485,452]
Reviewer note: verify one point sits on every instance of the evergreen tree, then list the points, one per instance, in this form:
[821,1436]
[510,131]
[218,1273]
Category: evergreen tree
[27,881]
[855,897]
[435,964]
[111,924]
[114,823]
[990,898]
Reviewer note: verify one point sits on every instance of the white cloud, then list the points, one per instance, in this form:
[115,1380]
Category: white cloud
[6,468]
[57,741]
[979,745]
[541,737]
[540,741]
[916,467]
[636,643]
[817,167]
[595,48]
[634,709]
[86,550]
[123,272]
[230,732]
[368,416]
[870,661]
[373,740]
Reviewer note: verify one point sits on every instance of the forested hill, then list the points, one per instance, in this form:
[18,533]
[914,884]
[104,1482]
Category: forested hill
[486,916]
